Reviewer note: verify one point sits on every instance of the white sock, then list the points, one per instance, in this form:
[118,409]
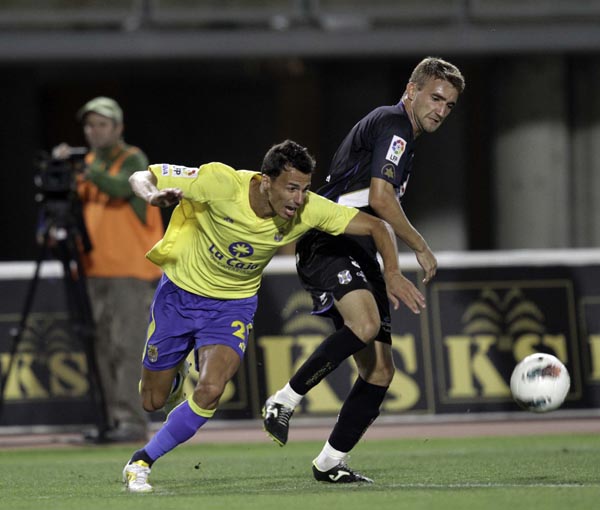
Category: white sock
[287,396]
[329,457]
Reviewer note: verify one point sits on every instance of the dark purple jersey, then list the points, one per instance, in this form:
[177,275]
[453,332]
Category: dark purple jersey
[379,145]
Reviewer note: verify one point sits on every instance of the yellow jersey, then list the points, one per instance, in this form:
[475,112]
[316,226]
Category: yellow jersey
[215,245]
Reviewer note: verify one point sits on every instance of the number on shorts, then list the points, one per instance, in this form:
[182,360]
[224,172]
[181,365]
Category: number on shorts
[240,332]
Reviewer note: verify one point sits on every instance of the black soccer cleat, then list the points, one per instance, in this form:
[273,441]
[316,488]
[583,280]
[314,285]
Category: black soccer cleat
[339,474]
[276,420]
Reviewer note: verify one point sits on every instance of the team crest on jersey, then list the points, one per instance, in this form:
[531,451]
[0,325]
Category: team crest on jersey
[278,237]
[185,171]
[396,149]
[388,171]
[153,353]
[344,277]
[241,249]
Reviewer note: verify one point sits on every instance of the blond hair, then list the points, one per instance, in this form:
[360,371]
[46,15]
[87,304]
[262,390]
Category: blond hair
[434,67]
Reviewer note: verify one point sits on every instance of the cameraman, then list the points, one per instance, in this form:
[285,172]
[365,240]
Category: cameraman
[121,228]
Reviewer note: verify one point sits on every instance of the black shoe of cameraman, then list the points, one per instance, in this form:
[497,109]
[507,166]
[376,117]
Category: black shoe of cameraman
[116,435]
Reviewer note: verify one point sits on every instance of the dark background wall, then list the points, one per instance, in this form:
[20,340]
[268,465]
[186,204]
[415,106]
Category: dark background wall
[201,80]
[195,111]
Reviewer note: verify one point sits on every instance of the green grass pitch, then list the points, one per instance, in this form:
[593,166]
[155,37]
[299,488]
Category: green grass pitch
[546,472]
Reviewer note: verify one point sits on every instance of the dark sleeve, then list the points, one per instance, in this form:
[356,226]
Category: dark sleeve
[391,136]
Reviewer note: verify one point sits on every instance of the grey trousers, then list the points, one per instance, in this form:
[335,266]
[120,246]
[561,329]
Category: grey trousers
[121,309]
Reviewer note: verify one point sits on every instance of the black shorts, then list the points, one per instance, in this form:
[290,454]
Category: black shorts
[330,267]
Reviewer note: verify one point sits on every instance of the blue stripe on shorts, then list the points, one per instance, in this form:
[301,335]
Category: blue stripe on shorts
[181,321]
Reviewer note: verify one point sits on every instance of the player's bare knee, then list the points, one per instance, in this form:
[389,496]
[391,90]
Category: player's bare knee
[366,329]
[385,375]
[207,394]
[378,378]
[152,402]
[376,372]
[384,370]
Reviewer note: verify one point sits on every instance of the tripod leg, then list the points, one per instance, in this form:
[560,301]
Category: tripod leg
[82,320]
[17,333]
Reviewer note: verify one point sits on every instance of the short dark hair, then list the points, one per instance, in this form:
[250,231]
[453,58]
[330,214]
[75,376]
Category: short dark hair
[434,67]
[287,154]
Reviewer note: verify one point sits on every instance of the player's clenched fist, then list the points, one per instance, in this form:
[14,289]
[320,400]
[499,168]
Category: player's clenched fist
[166,197]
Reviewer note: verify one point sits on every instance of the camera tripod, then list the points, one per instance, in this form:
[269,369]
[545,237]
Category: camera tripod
[61,236]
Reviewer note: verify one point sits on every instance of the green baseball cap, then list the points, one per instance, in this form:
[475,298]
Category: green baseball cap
[104,106]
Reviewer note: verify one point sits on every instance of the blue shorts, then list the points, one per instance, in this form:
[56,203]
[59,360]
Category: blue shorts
[181,321]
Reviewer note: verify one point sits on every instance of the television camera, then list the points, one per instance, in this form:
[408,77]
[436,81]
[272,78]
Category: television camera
[56,183]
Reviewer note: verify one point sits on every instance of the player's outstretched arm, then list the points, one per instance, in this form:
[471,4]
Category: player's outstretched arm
[382,198]
[143,184]
[398,287]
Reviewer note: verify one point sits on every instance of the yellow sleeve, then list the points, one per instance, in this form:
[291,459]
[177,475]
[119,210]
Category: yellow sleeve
[323,214]
[199,184]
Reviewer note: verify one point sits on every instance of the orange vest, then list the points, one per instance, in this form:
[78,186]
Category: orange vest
[119,239]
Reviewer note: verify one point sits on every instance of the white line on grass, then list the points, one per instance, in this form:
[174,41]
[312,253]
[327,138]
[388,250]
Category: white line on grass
[485,485]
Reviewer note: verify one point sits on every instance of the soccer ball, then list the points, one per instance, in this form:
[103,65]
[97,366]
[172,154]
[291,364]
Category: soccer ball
[539,383]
